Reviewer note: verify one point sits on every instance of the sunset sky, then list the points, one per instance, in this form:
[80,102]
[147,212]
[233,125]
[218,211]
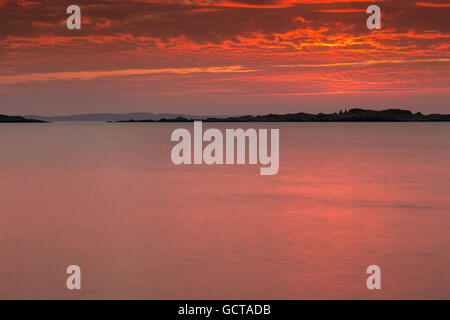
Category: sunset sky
[223,56]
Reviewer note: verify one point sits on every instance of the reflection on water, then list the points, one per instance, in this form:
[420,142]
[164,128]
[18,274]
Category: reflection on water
[108,198]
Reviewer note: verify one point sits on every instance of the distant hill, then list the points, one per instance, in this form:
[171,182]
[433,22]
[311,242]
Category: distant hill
[117,116]
[17,119]
[353,115]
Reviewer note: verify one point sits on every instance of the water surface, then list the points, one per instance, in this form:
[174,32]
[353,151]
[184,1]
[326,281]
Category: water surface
[108,198]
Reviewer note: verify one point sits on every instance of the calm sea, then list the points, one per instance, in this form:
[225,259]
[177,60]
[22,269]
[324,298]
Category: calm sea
[107,197]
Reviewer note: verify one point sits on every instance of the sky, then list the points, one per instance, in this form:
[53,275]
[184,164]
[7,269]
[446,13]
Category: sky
[224,57]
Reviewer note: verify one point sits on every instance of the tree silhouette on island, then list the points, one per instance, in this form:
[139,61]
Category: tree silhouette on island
[352,115]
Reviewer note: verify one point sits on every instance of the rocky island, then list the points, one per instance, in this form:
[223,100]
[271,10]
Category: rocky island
[352,115]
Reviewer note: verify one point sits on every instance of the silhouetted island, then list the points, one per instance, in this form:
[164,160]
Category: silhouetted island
[352,115]
[18,119]
[118,116]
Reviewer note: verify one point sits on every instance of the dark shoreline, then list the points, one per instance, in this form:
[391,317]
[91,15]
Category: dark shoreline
[18,119]
[353,115]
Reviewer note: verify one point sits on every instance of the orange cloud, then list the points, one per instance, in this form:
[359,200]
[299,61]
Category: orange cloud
[89,75]
[433,5]
[365,63]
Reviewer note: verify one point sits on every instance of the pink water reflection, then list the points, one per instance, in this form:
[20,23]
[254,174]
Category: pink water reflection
[108,198]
